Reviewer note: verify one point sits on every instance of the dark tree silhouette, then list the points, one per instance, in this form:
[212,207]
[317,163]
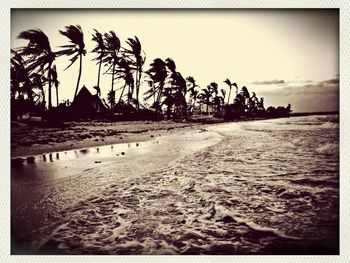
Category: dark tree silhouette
[205,97]
[228,82]
[179,88]
[124,72]
[76,49]
[39,54]
[55,82]
[137,61]
[169,101]
[20,77]
[192,90]
[111,98]
[112,50]
[157,74]
[100,50]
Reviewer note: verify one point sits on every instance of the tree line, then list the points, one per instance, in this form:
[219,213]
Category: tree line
[33,67]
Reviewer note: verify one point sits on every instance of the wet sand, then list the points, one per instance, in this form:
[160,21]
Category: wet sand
[34,138]
[40,202]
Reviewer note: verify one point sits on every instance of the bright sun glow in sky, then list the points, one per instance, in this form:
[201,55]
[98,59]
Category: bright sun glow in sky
[285,56]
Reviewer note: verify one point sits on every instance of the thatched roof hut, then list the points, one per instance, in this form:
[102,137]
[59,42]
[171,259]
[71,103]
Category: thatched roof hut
[87,105]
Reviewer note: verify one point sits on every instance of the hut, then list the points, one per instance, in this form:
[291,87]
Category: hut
[86,105]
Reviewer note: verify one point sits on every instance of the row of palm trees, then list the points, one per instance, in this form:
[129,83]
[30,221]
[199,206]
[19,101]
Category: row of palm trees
[35,62]
[33,67]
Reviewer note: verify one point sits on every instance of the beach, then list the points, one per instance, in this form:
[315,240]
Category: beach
[30,138]
[255,187]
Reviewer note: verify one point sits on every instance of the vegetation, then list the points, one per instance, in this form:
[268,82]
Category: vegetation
[170,95]
[76,49]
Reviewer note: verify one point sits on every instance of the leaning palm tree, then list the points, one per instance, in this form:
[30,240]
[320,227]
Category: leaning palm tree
[228,82]
[112,50]
[76,49]
[157,74]
[205,97]
[194,96]
[124,72]
[223,95]
[55,82]
[178,84]
[20,77]
[111,99]
[192,90]
[100,50]
[38,81]
[169,101]
[137,61]
[213,88]
[39,54]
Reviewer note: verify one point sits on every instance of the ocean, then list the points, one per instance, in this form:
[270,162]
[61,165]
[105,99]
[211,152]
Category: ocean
[250,188]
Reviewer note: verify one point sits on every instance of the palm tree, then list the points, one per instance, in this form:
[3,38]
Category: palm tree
[20,77]
[213,88]
[157,74]
[100,50]
[169,101]
[112,50]
[228,82]
[221,99]
[223,95]
[137,60]
[124,72]
[111,98]
[205,97]
[39,54]
[55,81]
[178,84]
[192,90]
[194,96]
[76,49]
[38,82]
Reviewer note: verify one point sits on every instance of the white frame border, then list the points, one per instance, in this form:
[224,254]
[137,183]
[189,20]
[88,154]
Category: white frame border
[344,95]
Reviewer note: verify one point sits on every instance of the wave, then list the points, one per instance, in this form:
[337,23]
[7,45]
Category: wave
[328,148]
[329,125]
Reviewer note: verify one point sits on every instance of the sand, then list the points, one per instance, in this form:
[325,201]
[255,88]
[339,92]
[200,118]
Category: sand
[35,138]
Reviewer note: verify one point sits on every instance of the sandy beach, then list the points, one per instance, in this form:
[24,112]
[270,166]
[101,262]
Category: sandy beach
[35,138]
[190,189]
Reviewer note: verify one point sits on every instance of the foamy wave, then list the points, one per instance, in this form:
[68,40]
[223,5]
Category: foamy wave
[328,148]
[274,231]
[329,125]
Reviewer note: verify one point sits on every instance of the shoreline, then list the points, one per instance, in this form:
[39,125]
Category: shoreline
[49,140]
[30,138]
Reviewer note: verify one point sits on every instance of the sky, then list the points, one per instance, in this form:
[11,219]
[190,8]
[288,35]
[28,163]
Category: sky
[285,56]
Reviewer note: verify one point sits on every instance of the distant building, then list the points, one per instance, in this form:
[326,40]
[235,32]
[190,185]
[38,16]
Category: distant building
[202,108]
[87,105]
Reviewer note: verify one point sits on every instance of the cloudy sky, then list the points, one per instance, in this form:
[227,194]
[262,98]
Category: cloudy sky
[285,56]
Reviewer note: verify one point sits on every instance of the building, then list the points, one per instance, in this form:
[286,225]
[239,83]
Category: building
[87,105]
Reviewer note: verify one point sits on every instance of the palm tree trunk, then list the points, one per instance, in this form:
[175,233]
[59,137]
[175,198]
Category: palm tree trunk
[121,94]
[99,72]
[128,94]
[159,98]
[113,76]
[229,94]
[57,95]
[49,78]
[80,67]
[112,102]
[138,77]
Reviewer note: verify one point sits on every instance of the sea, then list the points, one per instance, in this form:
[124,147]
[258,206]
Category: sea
[264,187]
